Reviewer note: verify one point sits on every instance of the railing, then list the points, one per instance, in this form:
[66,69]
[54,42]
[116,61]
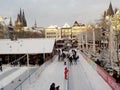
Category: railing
[109,79]
[68,77]
[28,78]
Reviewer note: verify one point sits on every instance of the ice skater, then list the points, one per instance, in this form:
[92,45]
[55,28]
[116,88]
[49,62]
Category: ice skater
[65,73]
[52,86]
[57,88]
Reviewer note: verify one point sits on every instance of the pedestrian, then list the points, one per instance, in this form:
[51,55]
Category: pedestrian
[63,56]
[76,59]
[57,88]
[70,59]
[97,61]
[60,54]
[65,73]
[118,79]
[52,86]
[115,74]
[1,65]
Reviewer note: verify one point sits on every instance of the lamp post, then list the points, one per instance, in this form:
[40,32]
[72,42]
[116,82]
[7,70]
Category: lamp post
[44,53]
[86,41]
[27,59]
[94,40]
[82,40]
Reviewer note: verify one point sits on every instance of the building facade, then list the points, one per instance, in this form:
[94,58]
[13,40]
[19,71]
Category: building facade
[66,31]
[77,29]
[52,32]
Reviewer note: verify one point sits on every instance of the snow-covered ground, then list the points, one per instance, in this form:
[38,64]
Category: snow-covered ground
[84,77]
[54,72]
[81,77]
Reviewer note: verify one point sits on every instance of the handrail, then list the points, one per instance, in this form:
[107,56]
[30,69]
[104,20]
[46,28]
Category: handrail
[68,76]
[32,74]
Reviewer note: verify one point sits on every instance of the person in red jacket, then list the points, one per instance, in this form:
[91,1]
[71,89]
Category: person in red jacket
[66,73]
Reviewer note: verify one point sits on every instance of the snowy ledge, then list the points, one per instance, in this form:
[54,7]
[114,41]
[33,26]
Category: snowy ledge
[12,76]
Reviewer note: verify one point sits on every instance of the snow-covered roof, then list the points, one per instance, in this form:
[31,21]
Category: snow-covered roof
[7,21]
[118,12]
[66,25]
[52,26]
[1,19]
[24,46]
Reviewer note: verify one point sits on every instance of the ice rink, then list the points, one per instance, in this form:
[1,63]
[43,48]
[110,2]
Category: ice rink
[81,77]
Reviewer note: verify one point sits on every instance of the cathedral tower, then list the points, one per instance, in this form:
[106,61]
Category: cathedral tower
[21,20]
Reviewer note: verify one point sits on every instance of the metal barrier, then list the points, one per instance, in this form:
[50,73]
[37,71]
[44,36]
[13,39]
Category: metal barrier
[23,81]
[68,77]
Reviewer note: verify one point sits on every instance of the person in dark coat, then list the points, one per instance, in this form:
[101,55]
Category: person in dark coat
[70,59]
[57,88]
[115,74]
[52,86]
[118,79]
[98,62]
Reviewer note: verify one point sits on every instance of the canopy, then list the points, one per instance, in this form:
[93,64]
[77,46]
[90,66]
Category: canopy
[26,46]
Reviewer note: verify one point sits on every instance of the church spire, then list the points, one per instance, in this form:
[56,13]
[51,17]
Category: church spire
[110,11]
[105,14]
[10,23]
[35,25]
[21,20]
[24,20]
[20,15]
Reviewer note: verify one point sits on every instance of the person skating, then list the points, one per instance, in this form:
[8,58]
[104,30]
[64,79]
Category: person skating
[70,59]
[65,73]
[57,88]
[76,59]
[52,86]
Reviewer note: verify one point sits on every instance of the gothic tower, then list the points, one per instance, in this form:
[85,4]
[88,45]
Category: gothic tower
[21,20]
[110,11]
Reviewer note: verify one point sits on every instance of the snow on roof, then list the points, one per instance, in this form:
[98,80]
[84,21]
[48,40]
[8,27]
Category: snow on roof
[1,19]
[24,46]
[66,25]
[52,26]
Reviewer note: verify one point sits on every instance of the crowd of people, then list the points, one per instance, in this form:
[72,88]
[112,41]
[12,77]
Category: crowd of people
[71,55]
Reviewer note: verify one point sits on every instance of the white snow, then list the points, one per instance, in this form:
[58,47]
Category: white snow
[13,76]
[84,77]
[81,77]
[52,73]
[23,46]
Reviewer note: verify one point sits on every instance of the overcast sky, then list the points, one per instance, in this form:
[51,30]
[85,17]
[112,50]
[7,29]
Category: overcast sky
[56,12]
